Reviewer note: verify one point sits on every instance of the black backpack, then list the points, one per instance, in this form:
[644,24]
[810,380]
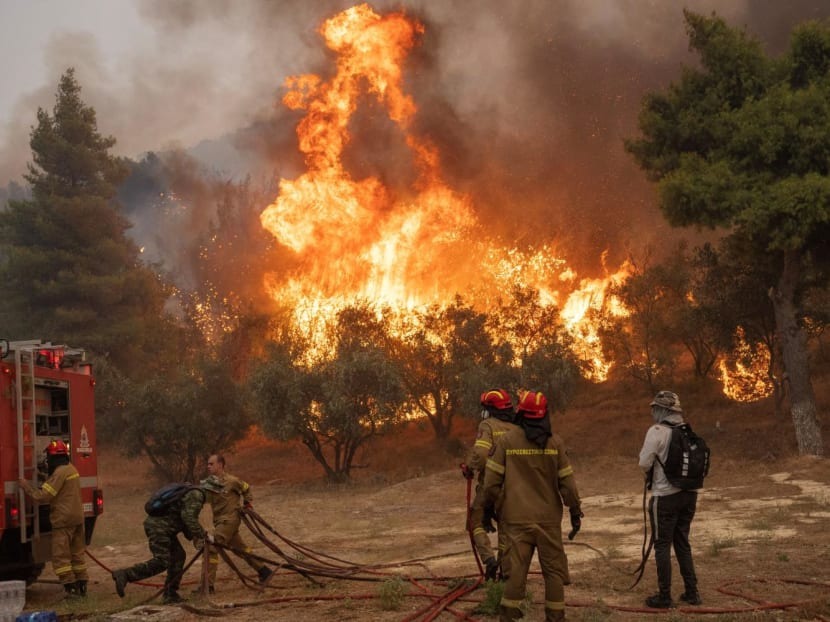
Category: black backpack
[163,499]
[687,462]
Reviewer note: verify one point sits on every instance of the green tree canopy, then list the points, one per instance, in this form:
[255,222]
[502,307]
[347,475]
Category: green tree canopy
[743,143]
[179,418]
[336,404]
[536,352]
[70,272]
[447,357]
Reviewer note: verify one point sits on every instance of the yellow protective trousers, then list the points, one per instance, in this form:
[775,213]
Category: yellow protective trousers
[227,534]
[520,542]
[68,548]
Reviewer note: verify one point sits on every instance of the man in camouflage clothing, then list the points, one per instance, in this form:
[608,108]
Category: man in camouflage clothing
[162,534]
[529,472]
[497,419]
[227,494]
[63,493]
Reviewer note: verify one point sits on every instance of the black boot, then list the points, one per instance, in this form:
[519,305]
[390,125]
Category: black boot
[264,574]
[71,589]
[120,578]
[693,597]
[659,601]
[80,586]
[507,614]
[171,597]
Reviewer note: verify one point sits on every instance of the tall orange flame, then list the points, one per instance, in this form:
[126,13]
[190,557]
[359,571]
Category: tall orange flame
[352,238]
[355,239]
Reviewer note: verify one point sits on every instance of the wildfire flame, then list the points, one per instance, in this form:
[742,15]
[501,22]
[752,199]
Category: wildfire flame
[356,239]
[748,379]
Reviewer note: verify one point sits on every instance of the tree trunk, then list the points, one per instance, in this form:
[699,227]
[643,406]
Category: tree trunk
[796,364]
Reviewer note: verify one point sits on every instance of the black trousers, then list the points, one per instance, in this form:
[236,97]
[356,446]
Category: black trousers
[671,519]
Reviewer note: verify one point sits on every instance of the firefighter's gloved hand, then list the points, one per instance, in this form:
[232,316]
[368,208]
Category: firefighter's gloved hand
[247,506]
[576,522]
[210,538]
[487,520]
[467,472]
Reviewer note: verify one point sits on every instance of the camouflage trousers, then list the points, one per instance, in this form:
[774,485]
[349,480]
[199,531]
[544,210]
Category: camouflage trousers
[168,554]
[68,548]
[226,532]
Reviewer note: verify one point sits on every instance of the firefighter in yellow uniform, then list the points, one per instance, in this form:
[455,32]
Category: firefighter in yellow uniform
[529,472]
[226,495]
[62,490]
[497,419]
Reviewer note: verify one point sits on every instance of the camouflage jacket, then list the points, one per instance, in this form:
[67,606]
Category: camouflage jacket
[183,516]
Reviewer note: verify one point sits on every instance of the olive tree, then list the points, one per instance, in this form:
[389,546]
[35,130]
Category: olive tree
[335,403]
[178,418]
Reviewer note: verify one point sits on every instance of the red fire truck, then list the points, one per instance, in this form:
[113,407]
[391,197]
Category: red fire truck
[46,393]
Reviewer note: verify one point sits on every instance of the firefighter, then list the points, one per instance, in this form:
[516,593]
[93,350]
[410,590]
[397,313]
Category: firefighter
[162,536]
[497,418]
[62,490]
[227,495]
[529,473]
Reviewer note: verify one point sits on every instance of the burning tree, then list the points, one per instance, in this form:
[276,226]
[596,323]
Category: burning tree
[741,143]
[543,356]
[644,342]
[405,240]
[733,293]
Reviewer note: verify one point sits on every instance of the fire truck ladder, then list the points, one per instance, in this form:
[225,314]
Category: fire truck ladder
[24,361]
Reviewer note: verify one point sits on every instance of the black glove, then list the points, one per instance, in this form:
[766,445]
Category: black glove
[576,522]
[466,471]
[487,520]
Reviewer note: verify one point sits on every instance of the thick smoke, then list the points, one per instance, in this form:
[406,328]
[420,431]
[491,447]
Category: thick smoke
[529,101]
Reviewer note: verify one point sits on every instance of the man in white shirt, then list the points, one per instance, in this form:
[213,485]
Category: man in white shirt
[671,510]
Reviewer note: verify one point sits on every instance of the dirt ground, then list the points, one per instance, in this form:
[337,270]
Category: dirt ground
[760,537]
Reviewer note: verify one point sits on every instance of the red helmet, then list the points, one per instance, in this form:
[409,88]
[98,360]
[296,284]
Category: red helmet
[532,405]
[57,448]
[497,398]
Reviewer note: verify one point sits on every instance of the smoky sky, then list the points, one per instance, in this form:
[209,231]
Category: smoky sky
[528,101]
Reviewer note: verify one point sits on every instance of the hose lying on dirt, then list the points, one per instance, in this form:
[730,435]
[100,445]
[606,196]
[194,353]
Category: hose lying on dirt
[306,562]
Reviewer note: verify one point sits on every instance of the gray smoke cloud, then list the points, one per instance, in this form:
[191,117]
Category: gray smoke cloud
[528,101]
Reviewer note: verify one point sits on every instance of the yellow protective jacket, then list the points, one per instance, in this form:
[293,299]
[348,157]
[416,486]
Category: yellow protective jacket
[226,504]
[532,482]
[63,493]
[489,430]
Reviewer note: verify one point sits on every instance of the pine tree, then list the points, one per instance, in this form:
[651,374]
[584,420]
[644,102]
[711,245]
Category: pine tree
[741,143]
[70,273]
